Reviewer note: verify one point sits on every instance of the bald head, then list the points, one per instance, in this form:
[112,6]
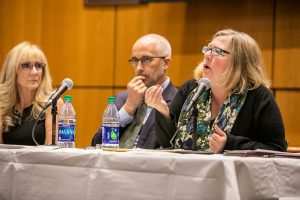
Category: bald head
[161,44]
[152,53]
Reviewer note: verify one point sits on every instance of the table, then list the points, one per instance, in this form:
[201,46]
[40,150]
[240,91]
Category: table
[49,173]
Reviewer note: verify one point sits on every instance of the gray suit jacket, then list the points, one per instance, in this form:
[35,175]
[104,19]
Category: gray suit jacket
[147,136]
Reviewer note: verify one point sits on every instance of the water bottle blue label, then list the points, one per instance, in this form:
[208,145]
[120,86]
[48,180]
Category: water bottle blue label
[110,135]
[66,133]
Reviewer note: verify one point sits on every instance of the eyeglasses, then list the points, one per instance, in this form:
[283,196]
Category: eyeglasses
[215,51]
[27,66]
[145,60]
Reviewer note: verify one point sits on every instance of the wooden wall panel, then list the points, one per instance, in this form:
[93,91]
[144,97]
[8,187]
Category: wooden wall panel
[20,20]
[79,42]
[205,18]
[286,65]
[287,44]
[288,102]
[188,26]
[171,23]
[131,23]
[89,106]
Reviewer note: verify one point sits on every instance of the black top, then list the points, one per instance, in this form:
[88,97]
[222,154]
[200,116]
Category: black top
[21,133]
[259,124]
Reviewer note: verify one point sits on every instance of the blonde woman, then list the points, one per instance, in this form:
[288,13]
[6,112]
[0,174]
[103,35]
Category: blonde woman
[25,86]
[237,112]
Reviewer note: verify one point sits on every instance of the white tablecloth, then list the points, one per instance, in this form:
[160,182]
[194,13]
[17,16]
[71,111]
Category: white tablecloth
[41,173]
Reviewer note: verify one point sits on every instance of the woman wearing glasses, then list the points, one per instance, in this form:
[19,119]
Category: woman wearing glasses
[25,86]
[237,112]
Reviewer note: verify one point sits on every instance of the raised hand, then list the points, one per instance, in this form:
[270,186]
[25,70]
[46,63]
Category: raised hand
[217,140]
[153,98]
[136,91]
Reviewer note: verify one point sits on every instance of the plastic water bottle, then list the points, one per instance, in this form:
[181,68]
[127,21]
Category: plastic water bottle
[110,125]
[66,124]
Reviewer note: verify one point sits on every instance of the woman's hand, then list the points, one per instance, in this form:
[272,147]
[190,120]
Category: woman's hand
[217,140]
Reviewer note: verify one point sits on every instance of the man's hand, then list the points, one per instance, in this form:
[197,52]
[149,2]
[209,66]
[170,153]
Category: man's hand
[136,91]
[153,98]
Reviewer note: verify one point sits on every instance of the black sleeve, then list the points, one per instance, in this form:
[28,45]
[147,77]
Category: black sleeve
[261,124]
[165,129]
[97,139]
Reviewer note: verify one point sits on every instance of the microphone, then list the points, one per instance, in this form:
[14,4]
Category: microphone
[203,84]
[66,84]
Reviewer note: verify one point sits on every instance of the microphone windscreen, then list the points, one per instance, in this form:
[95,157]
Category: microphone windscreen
[68,82]
[204,81]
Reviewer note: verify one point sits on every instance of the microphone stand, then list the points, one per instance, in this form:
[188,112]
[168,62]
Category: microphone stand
[195,114]
[54,113]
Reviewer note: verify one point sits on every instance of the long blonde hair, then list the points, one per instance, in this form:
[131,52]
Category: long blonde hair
[9,96]
[245,66]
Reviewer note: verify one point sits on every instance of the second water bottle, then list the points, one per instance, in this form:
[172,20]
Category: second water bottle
[110,125]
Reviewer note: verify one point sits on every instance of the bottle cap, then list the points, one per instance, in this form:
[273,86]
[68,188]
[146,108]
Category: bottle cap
[111,99]
[67,98]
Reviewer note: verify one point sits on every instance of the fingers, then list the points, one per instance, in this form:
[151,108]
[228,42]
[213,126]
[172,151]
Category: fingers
[153,95]
[217,140]
[140,88]
[136,89]
[136,79]
[213,147]
[154,98]
[155,91]
[137,85]
[218,134]
[219,131]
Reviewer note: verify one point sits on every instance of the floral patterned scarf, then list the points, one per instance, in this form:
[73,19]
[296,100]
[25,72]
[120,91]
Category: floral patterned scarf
[205,126]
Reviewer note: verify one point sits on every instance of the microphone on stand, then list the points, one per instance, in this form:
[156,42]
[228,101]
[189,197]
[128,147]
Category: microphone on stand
[203,84]
[66,84]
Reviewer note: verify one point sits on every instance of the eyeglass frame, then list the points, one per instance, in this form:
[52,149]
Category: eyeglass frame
[137,60]
[39,66]
[211,49]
